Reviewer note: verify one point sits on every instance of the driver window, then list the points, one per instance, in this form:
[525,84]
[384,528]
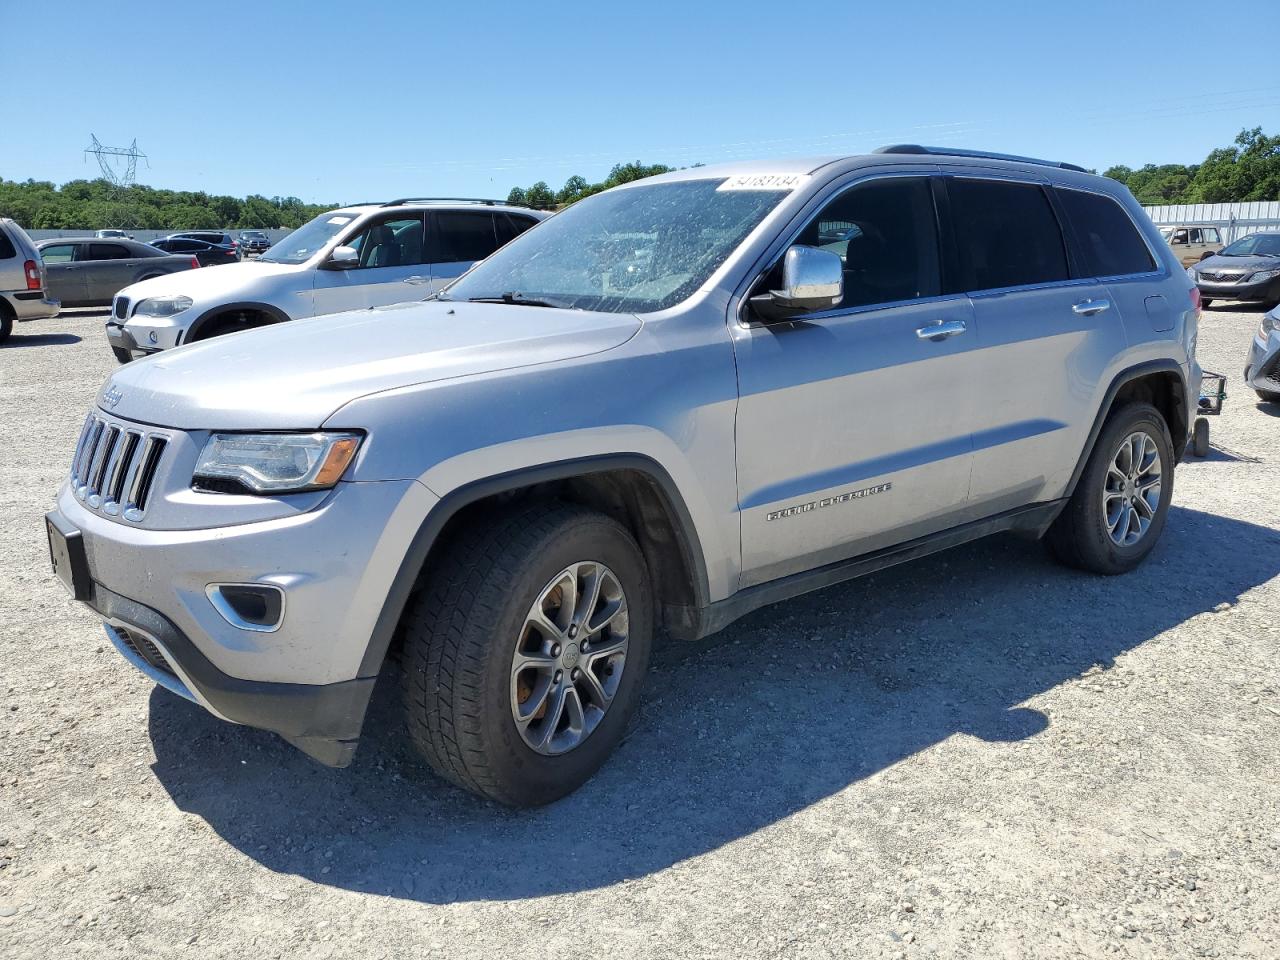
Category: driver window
[1195,237]
[389,243]
[885,234]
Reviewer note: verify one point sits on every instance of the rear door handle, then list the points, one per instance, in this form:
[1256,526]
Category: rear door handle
[941,330]
[1087,308]
[416,281]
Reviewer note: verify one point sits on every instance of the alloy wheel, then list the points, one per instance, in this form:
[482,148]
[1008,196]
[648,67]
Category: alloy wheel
[1132,489]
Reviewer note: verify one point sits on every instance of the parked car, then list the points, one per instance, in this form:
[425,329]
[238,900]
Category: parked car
[518,483]
[22,280]
[85,272]
[1248,270]
[1262,369]
[218,238]
[254,242]
[208,254]
[1192,242]
[362,256]
[111,235]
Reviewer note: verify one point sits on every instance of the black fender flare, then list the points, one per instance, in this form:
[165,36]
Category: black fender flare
[449,505]
[1128,376]
[277,315]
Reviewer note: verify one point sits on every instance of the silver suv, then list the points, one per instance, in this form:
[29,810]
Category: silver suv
[673,403]
[361,256]
[22,280]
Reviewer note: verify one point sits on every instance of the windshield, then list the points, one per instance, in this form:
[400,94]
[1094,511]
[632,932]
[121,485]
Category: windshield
[1258,245]
[631,250]
[301,245]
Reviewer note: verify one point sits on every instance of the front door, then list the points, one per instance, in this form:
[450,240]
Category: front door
[390,269]
[854,423]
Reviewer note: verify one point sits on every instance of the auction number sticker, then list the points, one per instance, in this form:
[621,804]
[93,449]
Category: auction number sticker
[764,181]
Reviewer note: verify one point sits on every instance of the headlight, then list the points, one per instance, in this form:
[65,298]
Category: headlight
[275,462]
[162,306]
[1270,322]
[1263,275]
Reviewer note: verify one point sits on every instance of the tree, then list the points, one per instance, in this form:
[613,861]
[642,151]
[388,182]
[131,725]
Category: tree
[540,196]
[574,189]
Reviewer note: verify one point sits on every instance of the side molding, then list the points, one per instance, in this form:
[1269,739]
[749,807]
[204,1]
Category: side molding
[448,507]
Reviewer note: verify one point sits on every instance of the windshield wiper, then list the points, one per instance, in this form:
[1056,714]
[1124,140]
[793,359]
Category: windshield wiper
[519,299]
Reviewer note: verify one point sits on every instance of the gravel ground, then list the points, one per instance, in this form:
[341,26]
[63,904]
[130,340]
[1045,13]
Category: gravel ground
[978,755]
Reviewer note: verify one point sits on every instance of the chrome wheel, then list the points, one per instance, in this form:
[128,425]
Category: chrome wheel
[1131,492]
[569,658]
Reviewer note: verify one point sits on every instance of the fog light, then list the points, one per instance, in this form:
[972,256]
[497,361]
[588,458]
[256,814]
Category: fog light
[248,606]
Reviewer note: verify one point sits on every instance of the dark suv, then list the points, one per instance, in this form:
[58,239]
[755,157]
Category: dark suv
[218,237]
[253,242]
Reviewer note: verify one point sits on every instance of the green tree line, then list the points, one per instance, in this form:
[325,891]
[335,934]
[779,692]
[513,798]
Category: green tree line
[1248,170]
[540,195]
[90,204]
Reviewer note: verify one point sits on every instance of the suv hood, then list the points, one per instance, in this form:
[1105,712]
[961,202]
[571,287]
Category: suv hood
[293,376]
[1250,264]
[226,282]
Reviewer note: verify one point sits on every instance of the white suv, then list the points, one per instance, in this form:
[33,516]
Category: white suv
[367,255]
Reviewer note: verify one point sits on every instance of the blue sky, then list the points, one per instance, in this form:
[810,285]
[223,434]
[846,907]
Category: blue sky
[361,100]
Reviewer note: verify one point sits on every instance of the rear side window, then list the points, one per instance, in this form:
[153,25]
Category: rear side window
[1007,234]
[108,251]
[459,237]
[7,252]
[1111,244]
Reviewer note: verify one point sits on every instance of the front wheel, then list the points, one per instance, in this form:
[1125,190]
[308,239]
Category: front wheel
[1206,302]
[1121,502]
[525,653]
[1268,396]
[123,355]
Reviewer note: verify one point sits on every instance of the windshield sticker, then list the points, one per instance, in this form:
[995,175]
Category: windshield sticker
[764,181]
[339,220]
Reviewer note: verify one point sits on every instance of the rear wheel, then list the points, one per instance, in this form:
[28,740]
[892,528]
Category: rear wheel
[525,653]
[1206,302]
[6,322]
[1121,501]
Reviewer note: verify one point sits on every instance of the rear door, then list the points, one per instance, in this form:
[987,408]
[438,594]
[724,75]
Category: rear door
[65,273]
[459,238]
[1046,333]
[390,268]
[109,268]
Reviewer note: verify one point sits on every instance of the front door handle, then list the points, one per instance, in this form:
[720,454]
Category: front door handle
[417,281]
[1087,308]
[941,330]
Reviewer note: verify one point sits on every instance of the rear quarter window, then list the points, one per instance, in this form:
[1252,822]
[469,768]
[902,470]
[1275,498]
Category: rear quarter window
[1108,238]
[7,251]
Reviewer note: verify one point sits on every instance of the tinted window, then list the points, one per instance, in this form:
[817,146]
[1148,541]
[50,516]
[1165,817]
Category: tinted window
[6,247]
[1007,234]
[59,253]
[885,234]
[1111,244]
[108,251]
[510,226]
[390,243]
[461,237]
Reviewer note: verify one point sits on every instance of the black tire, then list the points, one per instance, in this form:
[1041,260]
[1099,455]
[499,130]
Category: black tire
[461,633]
[1268,396]
[123,355]
[1200,437]
[1079,536]
[1206,303]
[6,322]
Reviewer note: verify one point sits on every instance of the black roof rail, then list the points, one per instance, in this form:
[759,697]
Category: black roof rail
[483,200]
[915,148]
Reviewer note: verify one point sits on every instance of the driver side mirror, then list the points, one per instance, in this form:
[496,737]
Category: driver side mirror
[343,258]
[812,279]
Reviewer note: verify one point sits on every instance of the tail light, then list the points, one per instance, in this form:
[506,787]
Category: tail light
[194,263]
[32,270]
[1195,299]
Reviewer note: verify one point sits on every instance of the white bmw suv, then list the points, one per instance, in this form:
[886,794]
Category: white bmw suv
[366,255]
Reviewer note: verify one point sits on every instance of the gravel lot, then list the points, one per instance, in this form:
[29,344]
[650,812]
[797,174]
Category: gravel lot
[978,755]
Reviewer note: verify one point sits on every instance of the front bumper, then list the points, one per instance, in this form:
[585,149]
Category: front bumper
[32,305]
[1262,369]
[1262,290]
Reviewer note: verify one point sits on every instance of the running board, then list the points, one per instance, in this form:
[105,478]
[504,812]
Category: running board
[693,623]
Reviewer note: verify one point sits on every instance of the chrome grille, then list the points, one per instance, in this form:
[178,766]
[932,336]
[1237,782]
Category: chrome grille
[115,467]
[1220,277]
[121,308]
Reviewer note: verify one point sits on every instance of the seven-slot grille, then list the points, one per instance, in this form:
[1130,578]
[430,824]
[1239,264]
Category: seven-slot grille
[122,308]
[115,466]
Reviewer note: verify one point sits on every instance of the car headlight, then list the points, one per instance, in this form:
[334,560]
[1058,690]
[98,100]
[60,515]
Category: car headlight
[274,462]
[162,306]
[1270,322]
[1263,275]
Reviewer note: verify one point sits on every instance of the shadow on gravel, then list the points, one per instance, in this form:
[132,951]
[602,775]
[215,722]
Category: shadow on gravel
[39,340]
[787,707]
